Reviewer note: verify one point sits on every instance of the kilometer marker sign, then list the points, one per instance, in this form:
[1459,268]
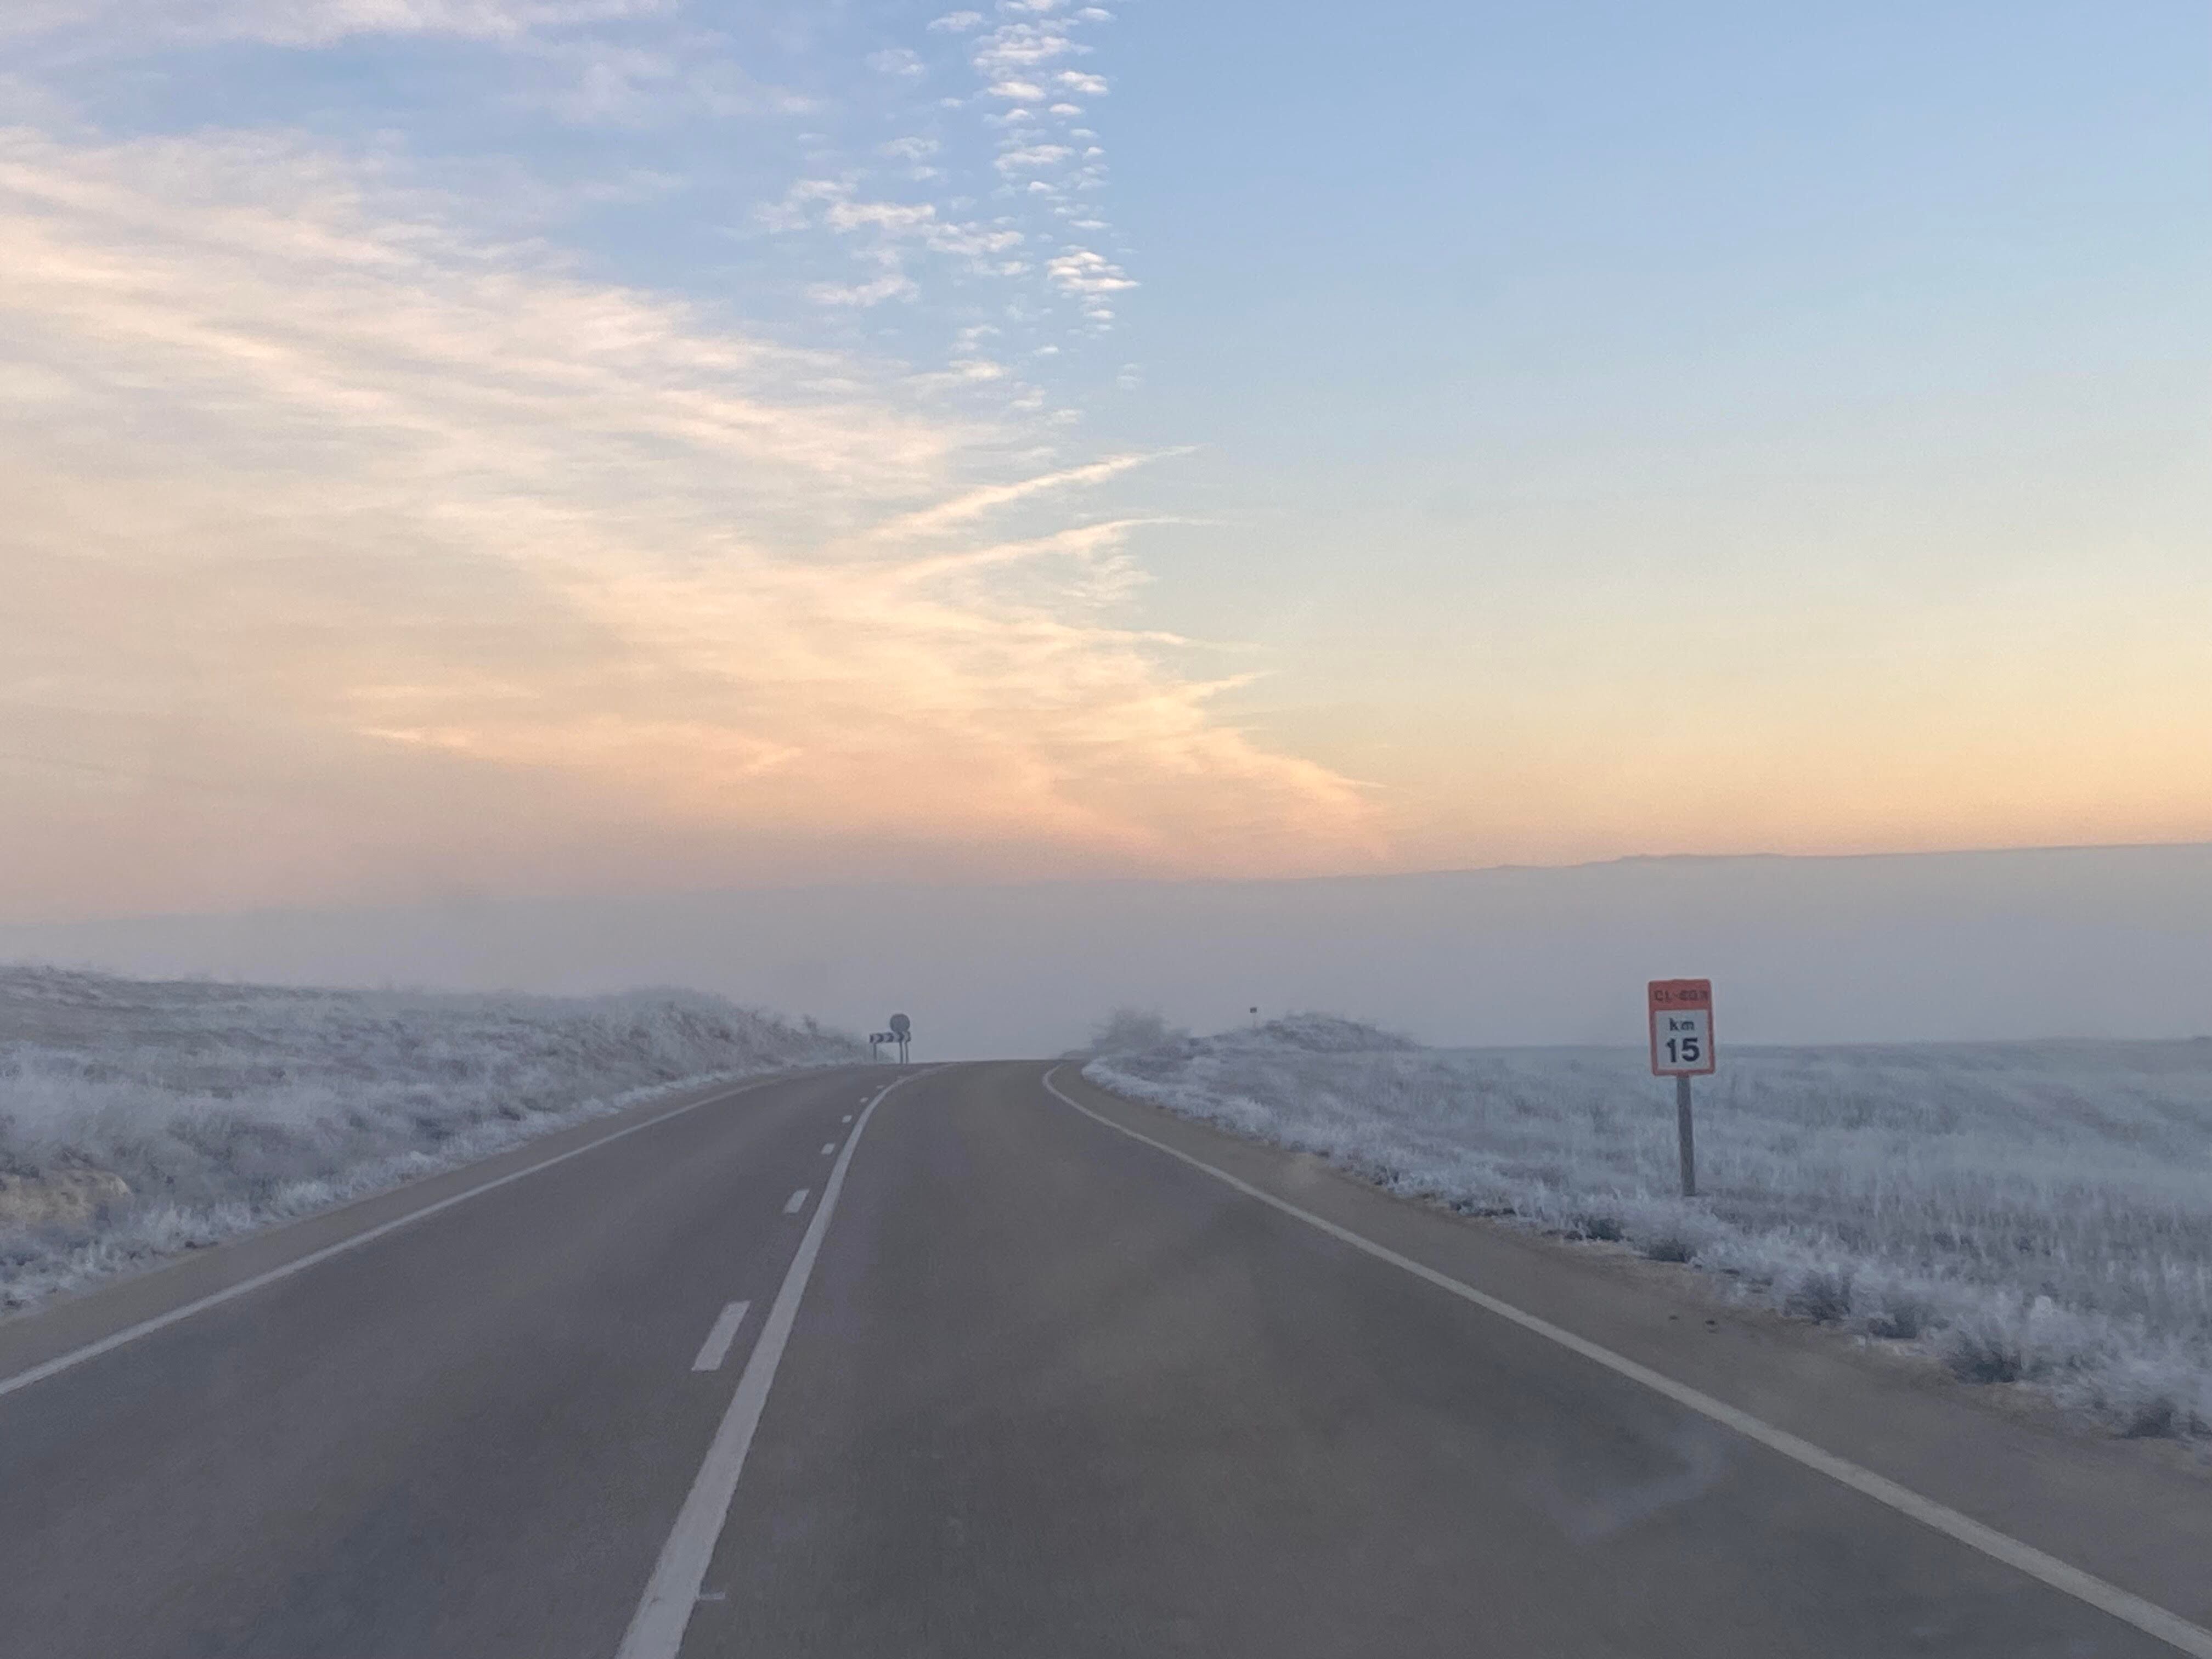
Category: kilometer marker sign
[1682,1028]
[1682,1048]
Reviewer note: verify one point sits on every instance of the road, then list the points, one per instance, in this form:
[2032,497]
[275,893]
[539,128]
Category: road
[1042,1380]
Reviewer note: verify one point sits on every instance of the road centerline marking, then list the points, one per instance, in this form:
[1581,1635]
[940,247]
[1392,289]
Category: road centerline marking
[129,1333]
[656,1629]
[796,1202]
[716,1348]
[2145,1615]
[828,1148]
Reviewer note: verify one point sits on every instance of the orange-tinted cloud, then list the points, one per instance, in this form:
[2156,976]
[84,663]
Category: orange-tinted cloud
[352,553]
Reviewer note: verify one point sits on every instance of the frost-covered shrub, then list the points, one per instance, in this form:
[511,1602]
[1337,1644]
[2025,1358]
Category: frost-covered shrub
[1821,1296]
[1133,1032]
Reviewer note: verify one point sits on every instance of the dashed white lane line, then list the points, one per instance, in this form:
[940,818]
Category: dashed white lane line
[679,1577]
[847,1118]
[796,1203]
[828,1147]
[2123,1604]
[716,1348]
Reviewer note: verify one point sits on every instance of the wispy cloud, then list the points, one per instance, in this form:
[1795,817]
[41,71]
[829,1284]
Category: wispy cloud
[1017,234]
[889,235]
[129,24]
[1091,277]
[898,60]
[1041,154]
[345,508]
[588,80]
[988,498]
[1029,158]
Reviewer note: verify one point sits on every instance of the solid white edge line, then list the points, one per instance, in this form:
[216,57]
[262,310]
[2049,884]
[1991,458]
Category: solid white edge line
[716,1348]
[656,1629]
[114,1340]
[796,1201]
[2125,1605]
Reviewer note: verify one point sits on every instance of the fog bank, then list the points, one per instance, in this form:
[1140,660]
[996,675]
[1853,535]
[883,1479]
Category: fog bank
[2064,942]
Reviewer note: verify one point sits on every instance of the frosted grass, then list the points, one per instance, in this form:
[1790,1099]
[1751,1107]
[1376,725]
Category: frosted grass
[2036,1213]
[224,1107]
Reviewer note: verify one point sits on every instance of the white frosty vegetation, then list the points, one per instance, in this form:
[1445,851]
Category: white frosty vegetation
[2034,1214]
[140,1118]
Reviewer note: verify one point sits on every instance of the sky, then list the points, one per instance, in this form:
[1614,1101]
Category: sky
[479,448]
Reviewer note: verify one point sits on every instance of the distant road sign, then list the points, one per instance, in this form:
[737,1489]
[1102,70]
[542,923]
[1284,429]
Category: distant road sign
[1682,1028]
[883,1036]
[902,1027]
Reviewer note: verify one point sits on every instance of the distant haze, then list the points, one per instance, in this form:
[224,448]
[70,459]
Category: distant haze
[2066,942]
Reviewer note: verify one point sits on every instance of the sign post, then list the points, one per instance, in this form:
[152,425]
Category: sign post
[902,1029]
[876,1039]
[1682,1048]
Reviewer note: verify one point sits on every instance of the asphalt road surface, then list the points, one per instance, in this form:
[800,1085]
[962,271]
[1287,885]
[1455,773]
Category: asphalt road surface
[965,1369]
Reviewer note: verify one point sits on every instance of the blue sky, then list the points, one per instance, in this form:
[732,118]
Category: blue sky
[1281,438]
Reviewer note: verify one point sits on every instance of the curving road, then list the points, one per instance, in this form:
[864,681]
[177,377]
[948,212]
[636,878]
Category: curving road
[982,1365]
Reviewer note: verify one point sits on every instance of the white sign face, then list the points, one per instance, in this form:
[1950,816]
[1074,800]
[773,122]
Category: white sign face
[1682,1041]
[1681,1027]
